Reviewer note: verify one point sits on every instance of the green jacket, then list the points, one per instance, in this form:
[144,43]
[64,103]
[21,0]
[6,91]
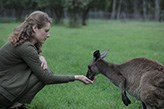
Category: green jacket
[20,69]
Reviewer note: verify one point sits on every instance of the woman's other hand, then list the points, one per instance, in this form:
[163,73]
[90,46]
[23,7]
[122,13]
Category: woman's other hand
[43,62]
[83,79]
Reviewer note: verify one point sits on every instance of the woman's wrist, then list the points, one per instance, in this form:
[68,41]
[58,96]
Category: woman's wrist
[83,79]
[76,77]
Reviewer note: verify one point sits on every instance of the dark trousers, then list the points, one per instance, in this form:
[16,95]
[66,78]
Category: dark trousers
[4,102]
[24,98]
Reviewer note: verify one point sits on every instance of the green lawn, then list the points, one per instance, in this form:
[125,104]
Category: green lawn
[69,51]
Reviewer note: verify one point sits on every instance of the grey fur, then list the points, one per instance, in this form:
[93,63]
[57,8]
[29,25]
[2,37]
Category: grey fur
[140,77]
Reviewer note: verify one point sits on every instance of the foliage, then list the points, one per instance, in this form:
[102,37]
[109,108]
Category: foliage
[56,7]
[77,10]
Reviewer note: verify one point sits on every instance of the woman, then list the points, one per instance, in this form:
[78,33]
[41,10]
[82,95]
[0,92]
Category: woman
[23,72]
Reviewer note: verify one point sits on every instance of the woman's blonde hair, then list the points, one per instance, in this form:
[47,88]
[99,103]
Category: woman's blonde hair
[25,32]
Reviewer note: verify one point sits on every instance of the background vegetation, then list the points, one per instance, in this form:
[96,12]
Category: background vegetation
[78,11]
[69,51]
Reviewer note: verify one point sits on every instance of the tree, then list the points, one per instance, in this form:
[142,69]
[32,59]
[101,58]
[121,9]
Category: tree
[136,9]
[77,11]
[74,11]
[157,10]
[87,5]
[18,6]
[114,9]
[55,6]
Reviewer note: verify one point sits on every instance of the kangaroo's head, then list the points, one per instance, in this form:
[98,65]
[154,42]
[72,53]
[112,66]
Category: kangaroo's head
[92,68]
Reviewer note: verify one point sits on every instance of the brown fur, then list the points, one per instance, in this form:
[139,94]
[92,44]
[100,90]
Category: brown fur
[140,77]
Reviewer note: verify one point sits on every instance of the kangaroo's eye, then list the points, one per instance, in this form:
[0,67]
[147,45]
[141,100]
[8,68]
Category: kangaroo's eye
[47,30]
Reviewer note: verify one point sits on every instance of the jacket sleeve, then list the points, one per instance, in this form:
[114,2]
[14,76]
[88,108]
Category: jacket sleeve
[29,54]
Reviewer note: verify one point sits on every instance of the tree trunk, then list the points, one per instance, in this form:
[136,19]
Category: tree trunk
[85,11]
[157,10]
[114,9]
[144,10]
[119,9]
[85,15]
[124,9]
[136,14]
[18,14]
[59,14]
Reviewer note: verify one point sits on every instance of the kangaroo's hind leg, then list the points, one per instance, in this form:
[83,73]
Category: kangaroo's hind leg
[143,105]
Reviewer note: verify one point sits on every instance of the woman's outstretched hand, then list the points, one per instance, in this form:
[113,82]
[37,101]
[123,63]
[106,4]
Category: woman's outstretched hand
[83,79]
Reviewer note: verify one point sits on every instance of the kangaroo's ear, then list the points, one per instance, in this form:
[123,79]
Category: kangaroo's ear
[96,55]
[104,54]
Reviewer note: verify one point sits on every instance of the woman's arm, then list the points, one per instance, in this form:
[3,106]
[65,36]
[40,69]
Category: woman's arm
[81,78]
[30,56]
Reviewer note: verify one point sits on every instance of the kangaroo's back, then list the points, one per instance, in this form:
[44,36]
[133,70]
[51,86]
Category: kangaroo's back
[140,65]
[135,69]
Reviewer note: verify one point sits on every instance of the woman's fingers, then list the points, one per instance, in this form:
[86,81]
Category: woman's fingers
[83,79]
[43,62]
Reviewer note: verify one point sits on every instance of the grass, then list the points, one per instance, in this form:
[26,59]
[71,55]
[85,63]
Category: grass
[69,51]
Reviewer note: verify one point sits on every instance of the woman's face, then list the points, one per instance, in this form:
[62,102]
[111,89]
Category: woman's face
[42,34]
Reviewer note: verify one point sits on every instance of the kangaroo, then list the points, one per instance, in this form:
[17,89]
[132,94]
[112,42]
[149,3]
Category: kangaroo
[140,77]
